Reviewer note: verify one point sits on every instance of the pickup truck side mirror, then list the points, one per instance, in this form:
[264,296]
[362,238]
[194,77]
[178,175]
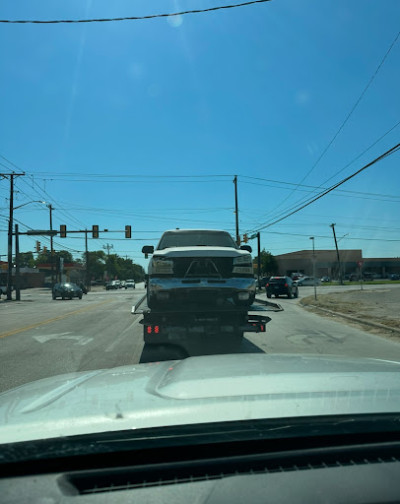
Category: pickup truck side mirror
[246,247]
[147,249]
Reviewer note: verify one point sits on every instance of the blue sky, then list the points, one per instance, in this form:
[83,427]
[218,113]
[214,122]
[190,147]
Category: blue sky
[146,122]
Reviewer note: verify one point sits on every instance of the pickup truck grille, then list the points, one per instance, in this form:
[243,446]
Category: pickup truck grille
[203,267]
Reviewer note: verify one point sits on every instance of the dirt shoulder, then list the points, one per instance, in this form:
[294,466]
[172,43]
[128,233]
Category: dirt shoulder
[377,310]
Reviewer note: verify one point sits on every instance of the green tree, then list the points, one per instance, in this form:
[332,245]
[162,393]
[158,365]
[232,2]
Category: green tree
[97,264]
[44,257]
[122,268]
[26,260]
[269,264]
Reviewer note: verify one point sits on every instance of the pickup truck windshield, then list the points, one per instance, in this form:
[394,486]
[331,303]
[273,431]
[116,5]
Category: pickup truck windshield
[196,238]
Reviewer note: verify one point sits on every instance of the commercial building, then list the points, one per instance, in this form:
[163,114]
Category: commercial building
[326,263]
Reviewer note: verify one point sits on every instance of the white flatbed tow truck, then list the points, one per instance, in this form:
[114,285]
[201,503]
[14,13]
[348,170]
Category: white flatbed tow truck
[198,330]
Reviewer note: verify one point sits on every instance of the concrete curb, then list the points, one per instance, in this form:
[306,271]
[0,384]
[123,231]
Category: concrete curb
[354,319]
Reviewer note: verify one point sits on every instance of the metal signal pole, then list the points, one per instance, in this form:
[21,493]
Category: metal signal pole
[337,253]
[10,231]
[236,211]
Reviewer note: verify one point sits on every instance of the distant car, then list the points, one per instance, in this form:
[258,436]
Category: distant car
[113,285]
[282,285]
[308,281]
[296,276]
[66,290]
[130,284]
[325,279]
[368,276]
[394,276]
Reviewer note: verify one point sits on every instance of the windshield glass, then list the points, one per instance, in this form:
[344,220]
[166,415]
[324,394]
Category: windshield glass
[160,162]
[195,238]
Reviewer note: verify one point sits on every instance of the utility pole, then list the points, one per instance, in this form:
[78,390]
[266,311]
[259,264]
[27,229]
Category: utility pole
[314,259]
[50,207]
[87,259]
[337,253]
[258,259]
[17,275]
[108,247]
[10,231]
[236,211]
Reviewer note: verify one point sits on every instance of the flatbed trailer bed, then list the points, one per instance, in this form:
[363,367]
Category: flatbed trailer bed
[198,330]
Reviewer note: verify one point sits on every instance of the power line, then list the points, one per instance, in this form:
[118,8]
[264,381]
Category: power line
[344,193]
[348,115]
[301,200]
[152,177]
[324,193]
[130,18]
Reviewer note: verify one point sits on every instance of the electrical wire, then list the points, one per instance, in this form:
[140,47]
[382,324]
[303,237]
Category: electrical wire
[131,18]
[350,113]
[302,200]
[387,153]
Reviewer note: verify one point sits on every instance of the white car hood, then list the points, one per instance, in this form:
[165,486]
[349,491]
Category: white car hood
[195,390]
[201,252]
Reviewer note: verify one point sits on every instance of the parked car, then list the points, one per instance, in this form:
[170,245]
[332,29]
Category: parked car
[113,285]
[394,276]
[130,284]
[199,267]
[66,290]
[296,276]
[325,279]
[308,281]
[282,285]
[263,282]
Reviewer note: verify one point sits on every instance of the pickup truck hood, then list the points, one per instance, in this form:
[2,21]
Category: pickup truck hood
[201,252]
[195,390]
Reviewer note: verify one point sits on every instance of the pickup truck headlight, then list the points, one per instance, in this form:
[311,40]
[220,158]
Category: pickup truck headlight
[162,266]
[243,270]
[242,265]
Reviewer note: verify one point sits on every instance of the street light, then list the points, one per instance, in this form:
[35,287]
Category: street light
[28,203]
[313,259]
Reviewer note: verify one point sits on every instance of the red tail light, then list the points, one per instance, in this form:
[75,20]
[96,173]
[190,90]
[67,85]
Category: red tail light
[286,285]
[153,329]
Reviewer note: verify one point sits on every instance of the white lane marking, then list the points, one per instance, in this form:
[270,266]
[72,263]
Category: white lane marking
[80,339]
[110,347]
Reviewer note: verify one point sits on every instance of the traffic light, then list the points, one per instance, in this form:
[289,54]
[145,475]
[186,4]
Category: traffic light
[95,231]
[245,238]
[128,231]
[63,231]
[37,246]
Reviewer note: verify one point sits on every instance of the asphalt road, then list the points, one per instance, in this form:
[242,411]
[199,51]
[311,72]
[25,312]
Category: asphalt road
[40,337]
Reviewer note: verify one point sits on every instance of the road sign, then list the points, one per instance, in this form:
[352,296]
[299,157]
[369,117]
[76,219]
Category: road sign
[41,232]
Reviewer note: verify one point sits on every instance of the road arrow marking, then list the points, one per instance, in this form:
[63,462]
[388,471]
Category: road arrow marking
[80,339]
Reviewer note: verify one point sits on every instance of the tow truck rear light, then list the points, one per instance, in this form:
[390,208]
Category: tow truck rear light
[153,329]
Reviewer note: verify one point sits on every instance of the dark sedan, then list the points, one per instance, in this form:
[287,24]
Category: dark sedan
[67,290]
[282,285]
